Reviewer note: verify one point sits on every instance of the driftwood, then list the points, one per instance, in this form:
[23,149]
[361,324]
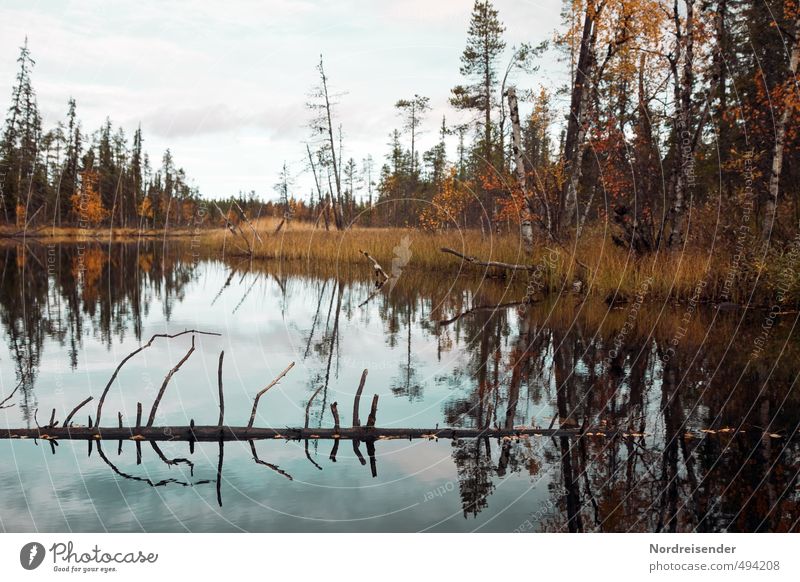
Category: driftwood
[513,266]
[213,433]
[499,265]
[379,272]
[222,432]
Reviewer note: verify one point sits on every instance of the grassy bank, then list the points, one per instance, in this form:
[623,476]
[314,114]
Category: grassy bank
[700,271]
[57,234]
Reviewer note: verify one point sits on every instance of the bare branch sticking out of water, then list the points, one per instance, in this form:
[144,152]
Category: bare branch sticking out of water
[133,353]
[167,378]
[262,392]
[9,397]
[376,267]
[76,409]
[357,399]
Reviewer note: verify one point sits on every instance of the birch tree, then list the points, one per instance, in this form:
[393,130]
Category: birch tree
[770,205]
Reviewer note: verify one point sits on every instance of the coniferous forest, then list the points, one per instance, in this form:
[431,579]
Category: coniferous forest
[673,113]
[457,266]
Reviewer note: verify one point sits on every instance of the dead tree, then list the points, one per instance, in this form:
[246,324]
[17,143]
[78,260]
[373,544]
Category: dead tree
[771,202]
[535,205]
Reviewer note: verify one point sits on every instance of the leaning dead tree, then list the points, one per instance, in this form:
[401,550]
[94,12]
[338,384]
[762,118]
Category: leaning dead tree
[54,431]
[238,233]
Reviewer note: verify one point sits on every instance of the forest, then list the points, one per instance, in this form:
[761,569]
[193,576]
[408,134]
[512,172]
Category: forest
[678,129]
[581,275]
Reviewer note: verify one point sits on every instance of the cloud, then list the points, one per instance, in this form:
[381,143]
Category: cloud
[225,86]
[176,121]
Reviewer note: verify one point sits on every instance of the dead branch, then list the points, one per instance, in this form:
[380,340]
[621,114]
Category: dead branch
[335,413]
[10,396]
[167,461]
[133,353]
[76,409]
[334,451]
[250,224]
[213,433]
[221,395]
[308,406]
[262,392]
[373,465]
[357,399]
[511,266]
[375,266]
[235,230]
[499,265]
[378,288]
[357,451]
[142,479]
[167,378]
[373,411]
[219,472]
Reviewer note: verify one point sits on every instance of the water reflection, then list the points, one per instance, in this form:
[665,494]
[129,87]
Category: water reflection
[706,435]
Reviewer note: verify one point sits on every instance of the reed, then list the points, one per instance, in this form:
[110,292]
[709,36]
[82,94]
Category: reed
[605,269]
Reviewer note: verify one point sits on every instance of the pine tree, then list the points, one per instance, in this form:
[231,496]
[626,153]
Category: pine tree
[413,111]
[484,45]
[19,174]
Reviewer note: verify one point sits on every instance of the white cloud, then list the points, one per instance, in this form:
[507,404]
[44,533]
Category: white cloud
[224,84]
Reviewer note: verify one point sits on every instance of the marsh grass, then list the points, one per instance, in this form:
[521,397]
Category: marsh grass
[606,270]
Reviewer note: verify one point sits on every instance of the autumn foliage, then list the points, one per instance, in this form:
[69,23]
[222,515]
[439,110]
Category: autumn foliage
[87,205]
[448,204]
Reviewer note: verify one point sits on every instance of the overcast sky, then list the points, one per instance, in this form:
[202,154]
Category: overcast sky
[224,84]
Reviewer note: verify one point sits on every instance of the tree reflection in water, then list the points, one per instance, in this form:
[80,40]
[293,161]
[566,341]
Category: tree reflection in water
[707,435]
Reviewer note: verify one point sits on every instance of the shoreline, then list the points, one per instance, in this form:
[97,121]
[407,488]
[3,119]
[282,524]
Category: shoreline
[594,264]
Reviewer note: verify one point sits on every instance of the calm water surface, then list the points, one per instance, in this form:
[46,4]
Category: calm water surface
[711,439]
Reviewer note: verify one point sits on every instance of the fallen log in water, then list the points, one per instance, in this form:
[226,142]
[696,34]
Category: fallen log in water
[192,433]
[244,433]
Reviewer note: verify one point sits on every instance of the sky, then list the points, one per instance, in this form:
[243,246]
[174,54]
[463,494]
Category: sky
[224,84]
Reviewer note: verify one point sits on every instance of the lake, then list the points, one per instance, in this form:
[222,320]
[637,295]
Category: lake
[702,402]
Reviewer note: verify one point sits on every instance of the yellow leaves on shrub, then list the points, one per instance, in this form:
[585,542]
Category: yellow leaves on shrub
[87,205]
[448,204]
[146,208]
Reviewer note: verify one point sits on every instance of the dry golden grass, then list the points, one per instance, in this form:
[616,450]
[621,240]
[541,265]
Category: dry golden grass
[613,272]
[55,234]
[606,270]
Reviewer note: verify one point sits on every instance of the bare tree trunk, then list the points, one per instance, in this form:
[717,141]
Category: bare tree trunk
[535,211]
[337,176]
[770,205]
[684,143]
[574,144]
